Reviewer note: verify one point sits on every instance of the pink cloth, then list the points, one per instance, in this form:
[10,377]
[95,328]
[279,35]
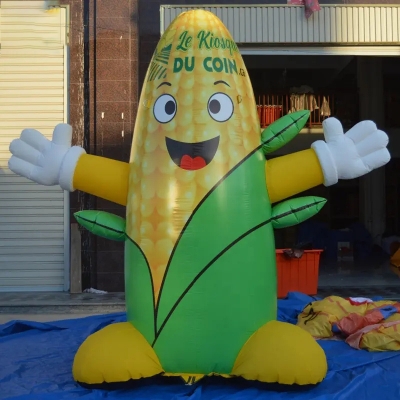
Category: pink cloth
[311,6]
[353,322]
[355,339]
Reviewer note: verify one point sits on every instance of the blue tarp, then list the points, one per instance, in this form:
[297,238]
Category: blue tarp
[36,360]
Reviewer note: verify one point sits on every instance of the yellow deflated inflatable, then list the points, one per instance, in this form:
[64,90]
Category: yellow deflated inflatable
[364,324]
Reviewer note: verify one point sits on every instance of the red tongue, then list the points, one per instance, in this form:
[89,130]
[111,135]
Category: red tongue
[192,164]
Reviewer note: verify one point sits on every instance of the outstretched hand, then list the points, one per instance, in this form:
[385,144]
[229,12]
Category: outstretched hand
[37,158]
[362,149]
[347,156]
[47,162]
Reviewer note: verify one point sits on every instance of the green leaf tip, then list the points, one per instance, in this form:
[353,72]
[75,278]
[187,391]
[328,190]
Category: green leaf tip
[295,211]
[283,130]
[102,224]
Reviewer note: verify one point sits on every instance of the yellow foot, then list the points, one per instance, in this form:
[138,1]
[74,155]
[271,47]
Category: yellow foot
[117,353]
[281,353]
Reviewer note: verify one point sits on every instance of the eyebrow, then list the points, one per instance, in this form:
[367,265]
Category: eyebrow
[216,83]
[164,83]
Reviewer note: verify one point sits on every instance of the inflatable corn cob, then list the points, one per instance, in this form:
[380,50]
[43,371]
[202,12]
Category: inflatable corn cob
[200,259]
[196,111]
[200,272]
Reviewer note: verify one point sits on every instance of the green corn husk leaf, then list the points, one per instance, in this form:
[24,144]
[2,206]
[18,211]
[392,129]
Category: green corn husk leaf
[139,293]
[209,264]
[102,224]
[295,211]
[283,130]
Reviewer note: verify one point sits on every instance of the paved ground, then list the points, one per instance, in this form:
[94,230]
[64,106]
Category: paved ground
[44,307]
[61,303]
[55,306]
[4,318]
[387,292]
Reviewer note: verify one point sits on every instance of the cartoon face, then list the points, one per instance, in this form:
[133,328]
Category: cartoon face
[197,119]
[197,102]
[193,156]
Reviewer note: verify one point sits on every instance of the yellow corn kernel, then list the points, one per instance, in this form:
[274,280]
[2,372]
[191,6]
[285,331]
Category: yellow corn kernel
[146,208]
[147,229]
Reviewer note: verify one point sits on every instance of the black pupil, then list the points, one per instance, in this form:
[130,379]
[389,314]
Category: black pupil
[170,107]
[215,106]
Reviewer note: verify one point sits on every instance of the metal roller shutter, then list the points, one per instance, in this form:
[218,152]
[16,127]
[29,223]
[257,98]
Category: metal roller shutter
[34,234]
[361,25]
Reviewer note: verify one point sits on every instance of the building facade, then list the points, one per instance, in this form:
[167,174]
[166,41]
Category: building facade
[98,69]
[70,61]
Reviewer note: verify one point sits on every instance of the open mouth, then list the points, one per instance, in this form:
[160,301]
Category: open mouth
[192,156]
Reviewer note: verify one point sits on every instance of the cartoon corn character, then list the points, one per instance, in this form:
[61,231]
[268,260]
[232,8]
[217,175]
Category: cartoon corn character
[200,272]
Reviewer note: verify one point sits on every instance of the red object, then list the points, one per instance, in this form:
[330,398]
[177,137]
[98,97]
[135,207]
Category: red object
[354,322]
[358,303]
[192,164]
[298,274]
[311,6]
[268,114]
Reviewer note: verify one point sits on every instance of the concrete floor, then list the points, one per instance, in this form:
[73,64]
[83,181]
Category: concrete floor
[362,274]
[4,318]
[45,307]
[368,279]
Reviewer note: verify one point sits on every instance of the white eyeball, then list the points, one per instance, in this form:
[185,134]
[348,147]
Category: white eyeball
[220,107]
[165,108]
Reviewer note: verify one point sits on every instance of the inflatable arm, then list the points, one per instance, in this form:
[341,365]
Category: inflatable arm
[55,162]
[286,179]
[109,181]
[341,156]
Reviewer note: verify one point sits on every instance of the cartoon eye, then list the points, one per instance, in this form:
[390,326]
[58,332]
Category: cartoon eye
[165,108]
[220,107]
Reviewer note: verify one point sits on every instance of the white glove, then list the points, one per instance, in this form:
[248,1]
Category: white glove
[43,161]
[351,155]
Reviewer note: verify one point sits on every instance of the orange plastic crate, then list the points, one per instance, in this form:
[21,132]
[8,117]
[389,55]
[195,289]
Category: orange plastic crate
[298,274]
[268,114]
